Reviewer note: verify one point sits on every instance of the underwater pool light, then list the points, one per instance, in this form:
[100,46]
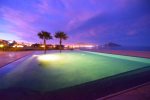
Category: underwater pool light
[48,57]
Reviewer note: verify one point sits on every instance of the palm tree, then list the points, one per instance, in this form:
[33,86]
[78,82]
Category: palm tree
[61,36]
[45,36]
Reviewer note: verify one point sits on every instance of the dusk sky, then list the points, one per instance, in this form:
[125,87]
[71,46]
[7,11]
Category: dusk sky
[126,22]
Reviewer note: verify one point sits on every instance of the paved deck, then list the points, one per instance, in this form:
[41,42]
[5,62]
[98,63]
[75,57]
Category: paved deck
[141,92]
[144,54]
[8,57]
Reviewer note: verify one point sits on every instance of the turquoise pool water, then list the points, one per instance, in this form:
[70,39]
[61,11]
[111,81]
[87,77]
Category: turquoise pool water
[56,71]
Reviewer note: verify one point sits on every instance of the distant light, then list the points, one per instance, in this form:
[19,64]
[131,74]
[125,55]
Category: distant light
[18,46]
[42,46]
[48,57]
[10,41]
[89,46]
[1,45]
[83,46]
[14,46]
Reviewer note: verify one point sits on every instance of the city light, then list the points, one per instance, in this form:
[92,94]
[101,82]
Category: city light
[18,46]
[83,46]
[42,46]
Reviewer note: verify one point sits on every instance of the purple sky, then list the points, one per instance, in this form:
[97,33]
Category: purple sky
[125,22]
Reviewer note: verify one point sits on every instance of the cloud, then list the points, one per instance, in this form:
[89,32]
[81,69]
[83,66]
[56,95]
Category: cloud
[66,11]
[18,22]
[51,7]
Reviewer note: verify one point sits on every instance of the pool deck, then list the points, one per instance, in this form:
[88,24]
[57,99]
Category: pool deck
[141,92]
[8,57]
[144,54]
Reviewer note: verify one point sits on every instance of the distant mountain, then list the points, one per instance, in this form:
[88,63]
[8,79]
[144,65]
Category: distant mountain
[111,44]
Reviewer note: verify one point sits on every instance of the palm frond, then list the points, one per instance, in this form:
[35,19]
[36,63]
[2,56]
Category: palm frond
[61,35]
[45,35]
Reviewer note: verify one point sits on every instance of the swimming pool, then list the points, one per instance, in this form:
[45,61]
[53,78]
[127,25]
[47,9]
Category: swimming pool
[55,71]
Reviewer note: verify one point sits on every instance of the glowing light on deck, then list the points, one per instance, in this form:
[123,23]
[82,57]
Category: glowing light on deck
[48,57]
[1,45]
